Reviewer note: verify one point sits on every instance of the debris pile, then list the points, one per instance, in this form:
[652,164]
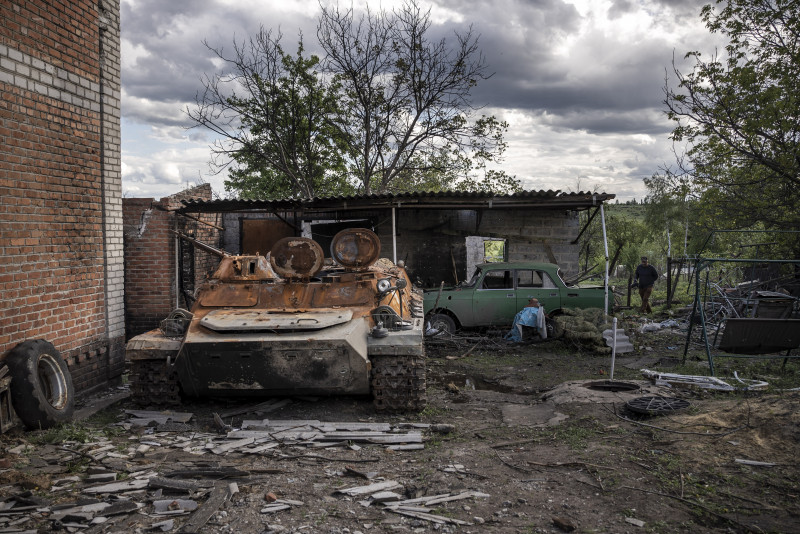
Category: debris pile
[168,474]
[584,328]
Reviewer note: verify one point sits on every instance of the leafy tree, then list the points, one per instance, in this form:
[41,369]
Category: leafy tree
[739,116]
[274,119]
[389,112]
[410,117]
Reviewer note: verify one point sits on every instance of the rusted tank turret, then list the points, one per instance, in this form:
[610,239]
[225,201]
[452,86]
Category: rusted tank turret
[288,324]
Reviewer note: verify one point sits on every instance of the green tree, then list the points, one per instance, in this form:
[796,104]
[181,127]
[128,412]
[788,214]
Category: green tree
[389,112]
[274,119]
[409,113]
[739,116]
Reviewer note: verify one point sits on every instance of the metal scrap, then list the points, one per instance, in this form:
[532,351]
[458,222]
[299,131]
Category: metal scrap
[702,382]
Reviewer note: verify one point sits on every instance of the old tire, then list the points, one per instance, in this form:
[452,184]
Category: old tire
[554,329]
[41,387]
[443,323]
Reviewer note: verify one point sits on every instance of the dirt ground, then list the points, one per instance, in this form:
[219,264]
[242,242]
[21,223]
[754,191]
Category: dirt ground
[549,453]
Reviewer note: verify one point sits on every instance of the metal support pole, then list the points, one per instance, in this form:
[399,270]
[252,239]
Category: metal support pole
[394,237]
[613,348]
[605,247]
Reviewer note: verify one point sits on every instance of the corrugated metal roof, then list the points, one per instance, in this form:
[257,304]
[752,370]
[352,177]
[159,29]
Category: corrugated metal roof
[421,200]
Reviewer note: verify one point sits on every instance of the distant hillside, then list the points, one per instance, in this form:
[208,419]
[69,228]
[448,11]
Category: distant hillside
[630,211]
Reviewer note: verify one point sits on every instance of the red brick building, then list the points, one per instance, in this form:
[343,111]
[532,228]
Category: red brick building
[61,262]
[162,271]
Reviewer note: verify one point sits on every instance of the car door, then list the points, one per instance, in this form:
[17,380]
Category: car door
[494,301]
[537,283]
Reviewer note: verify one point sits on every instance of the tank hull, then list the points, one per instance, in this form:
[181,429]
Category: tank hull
[262,328]
[332,361]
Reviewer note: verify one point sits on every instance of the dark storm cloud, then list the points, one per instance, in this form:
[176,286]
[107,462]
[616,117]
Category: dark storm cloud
[171,57]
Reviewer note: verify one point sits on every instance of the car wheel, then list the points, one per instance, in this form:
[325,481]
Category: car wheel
[442,324]
[41,386]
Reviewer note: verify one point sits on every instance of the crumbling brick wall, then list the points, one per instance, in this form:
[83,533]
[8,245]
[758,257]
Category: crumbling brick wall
[152,257]
[60,183]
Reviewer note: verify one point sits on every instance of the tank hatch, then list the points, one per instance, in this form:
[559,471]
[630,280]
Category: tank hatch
[261,320]
[356,248]
[296,257]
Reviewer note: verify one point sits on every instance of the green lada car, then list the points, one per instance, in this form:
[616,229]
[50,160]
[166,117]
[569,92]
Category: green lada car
[497,291]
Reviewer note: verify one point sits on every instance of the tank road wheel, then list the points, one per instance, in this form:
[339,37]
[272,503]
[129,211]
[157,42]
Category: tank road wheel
[154,383]
[398,383]
[41,386]
[444,324]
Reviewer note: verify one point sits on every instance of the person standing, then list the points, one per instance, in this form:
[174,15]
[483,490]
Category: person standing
[645,277]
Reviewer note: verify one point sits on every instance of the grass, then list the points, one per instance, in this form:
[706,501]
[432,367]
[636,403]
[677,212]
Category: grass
[576,434]
[76,432]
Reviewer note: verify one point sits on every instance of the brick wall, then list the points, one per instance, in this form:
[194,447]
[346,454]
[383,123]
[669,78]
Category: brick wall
[60,184]
[151,291]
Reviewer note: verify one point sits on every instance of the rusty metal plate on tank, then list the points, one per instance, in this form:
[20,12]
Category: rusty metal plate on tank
[356,248]
[260,320]
[230,295]
[296,257]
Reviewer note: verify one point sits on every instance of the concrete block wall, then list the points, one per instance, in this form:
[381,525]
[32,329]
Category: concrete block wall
[151,256]
[60,183]
[433,242]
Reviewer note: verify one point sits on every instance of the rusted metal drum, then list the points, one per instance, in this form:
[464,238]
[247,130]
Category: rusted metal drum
[356,248]
[296,257]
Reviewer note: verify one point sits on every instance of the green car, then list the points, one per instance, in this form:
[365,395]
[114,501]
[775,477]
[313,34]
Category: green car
[497,291]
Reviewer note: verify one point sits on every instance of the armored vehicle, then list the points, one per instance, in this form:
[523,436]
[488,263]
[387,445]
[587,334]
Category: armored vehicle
[290,324]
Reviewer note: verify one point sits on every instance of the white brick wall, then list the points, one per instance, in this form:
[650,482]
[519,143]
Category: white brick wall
[108,18]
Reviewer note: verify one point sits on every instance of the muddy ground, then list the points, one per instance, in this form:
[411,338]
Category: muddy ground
[550,454]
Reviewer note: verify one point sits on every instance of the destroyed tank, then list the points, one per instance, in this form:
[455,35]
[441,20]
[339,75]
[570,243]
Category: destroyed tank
[291,325]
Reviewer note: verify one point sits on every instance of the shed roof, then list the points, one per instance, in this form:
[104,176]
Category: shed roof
[419,200]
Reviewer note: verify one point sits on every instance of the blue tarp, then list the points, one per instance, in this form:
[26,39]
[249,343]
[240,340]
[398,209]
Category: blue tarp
[524,317]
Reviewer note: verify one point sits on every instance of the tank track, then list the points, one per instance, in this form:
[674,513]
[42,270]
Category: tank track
[398,383]
[154,383]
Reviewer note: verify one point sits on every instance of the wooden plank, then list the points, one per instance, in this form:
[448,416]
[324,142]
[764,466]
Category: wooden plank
[428,517]
[152,415]
[118,487]
[261,448]
[201,516]
[412,447]
[221,449]
[282,436]
[371,488]
[460,496]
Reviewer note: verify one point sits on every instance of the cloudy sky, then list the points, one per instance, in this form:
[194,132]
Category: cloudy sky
[579,81]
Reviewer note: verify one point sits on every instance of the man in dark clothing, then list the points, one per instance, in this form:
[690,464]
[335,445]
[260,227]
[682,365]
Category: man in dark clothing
[646,275]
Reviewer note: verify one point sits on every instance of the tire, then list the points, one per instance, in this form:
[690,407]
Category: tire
[41,387]
[554,329]
[443,323]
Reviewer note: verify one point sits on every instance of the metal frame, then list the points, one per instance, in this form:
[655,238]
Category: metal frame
[698,309]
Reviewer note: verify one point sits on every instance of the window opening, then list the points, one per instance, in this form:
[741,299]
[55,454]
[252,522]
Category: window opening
[494,251]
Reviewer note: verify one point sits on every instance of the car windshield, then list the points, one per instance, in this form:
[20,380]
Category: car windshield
[473,280]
